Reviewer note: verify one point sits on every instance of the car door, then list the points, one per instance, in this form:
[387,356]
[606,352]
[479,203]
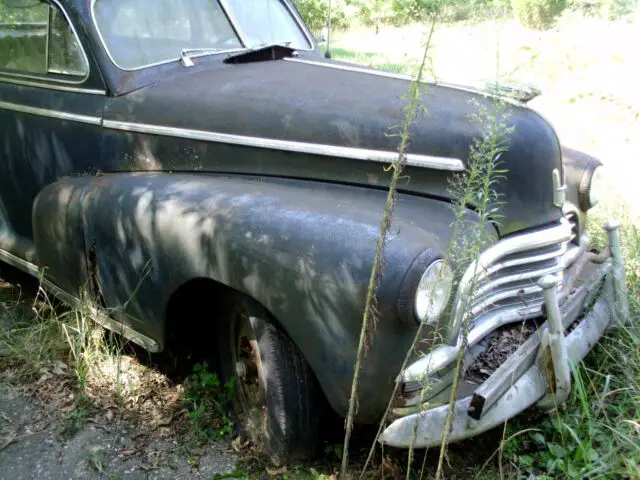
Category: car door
[51,102]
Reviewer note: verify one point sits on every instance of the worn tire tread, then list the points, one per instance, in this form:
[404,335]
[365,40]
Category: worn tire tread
[291,396]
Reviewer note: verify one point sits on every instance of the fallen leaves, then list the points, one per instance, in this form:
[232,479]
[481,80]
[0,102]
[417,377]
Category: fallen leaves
[502,343]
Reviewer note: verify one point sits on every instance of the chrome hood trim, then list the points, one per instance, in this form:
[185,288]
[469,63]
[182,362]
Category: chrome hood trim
[379,156]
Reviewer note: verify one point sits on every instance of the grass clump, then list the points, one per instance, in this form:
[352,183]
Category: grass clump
[208,399]
[596,434]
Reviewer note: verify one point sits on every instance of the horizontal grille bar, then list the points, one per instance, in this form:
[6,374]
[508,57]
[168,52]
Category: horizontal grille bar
[507,274]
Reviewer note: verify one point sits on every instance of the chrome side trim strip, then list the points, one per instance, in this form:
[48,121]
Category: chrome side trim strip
[49,86]
[98,316]
[350,68]
[380,156]
[50,113]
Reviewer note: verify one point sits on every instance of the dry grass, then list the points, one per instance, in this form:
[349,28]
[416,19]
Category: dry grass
[70,363]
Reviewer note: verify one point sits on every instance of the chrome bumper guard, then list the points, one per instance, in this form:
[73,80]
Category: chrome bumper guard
[539,371]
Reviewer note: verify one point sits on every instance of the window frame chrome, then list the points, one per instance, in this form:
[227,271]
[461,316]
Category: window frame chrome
[302,27]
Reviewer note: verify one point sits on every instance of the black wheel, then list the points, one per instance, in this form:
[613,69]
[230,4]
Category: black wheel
[275,401]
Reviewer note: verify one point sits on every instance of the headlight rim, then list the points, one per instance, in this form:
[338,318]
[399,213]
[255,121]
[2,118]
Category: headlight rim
[406,299]
[434,320]
[585,198]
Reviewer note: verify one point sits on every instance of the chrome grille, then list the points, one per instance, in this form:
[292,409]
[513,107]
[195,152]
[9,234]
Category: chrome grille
[507,274]
[515,287]
[572,218]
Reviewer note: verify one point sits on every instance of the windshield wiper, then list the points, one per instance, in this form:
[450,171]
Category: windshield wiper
[186,59]
[264,53]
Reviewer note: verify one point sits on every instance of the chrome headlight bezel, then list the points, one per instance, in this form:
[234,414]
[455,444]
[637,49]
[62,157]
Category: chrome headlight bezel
[433,292]
[591,187]
[406,299]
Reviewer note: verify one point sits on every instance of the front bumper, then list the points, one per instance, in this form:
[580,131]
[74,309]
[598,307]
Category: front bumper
[539,370]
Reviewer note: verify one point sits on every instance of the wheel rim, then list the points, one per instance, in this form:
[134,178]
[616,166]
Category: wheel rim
[250,397]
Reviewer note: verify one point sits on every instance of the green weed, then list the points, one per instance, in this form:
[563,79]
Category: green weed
[208,399]
[75,419]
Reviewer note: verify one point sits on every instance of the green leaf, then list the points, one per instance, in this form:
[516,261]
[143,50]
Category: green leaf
[538,438]
[556,450]
[592,455]
[572,471]
[526,460]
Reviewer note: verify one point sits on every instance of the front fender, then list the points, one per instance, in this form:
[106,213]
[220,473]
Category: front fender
[303,250]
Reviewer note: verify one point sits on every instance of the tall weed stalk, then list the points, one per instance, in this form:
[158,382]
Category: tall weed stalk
[411,109]
[478,187]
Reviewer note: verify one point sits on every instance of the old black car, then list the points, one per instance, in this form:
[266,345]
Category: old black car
[201,171]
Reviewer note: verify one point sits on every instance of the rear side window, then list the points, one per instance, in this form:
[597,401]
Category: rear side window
[36,38]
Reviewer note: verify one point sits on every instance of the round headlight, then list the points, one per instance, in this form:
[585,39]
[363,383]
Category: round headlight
[433,292]
[591,188]
[596,188]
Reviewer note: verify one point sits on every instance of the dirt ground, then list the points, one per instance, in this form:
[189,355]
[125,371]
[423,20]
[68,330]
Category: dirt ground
[34,445]
[48,432]
[142,430]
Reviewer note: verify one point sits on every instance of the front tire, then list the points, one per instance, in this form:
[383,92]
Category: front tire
[276,398]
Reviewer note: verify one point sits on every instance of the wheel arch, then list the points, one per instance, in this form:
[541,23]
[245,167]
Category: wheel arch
[191,296]
[196,294]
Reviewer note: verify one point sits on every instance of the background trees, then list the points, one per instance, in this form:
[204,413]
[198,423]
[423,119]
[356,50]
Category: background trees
[536,14]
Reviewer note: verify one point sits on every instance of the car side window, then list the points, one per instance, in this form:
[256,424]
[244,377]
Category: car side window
[36,38]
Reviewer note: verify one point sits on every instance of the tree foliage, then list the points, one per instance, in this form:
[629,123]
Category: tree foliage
[408,11]
[373,13]
[412,11]
[538,14]
[316,14]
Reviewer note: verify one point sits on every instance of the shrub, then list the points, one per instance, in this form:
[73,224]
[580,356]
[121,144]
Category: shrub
[538,14]
[315,14]
[413,11]
[409,11]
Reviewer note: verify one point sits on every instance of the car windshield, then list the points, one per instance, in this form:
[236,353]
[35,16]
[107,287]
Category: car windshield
[264,22]
[142,33]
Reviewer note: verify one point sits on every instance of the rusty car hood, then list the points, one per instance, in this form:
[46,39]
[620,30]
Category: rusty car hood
[316,101]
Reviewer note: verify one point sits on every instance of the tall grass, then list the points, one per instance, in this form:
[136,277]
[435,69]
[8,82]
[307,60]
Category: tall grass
[411,109]
[44,335]
[596,434]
